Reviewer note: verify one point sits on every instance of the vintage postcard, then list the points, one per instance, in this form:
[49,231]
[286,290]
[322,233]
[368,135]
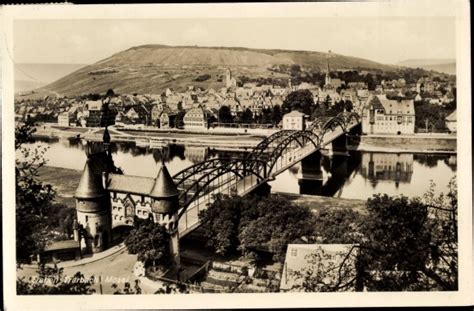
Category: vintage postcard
[236,155]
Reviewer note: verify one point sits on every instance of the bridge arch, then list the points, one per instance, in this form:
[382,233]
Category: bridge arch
[193,170]
[300,137]
[263,146]
[202,185]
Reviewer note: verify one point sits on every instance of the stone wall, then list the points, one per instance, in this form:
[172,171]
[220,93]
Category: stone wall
[415,143]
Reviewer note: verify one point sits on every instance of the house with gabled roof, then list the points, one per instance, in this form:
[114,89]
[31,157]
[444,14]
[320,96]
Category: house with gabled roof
[381,115]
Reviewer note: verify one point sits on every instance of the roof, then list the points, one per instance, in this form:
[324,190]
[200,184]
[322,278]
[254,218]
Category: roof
[391,106]
[451,117]
[294,113]
[61,245]
[94,104]
[300,257]
[130,184]
[164,186]
[90,186]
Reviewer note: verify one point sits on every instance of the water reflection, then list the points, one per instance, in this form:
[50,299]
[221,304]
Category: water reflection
[388,167]
[359,175]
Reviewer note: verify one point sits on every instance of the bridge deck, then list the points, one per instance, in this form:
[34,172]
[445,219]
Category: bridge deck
[243,186]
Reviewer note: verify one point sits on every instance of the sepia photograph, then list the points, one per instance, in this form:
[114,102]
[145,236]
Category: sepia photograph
[190,152]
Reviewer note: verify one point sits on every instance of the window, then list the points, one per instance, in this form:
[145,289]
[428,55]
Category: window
[87,218]
[294,252]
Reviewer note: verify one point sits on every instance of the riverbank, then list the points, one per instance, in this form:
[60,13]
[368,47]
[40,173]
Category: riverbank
[315,202]
[63,180]
[216,139]
[416,143]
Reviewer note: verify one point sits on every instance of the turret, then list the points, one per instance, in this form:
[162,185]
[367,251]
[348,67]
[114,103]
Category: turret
[165,206]
[165,203]
[93,210]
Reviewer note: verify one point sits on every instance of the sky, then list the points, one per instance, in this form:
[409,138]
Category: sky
[385,40]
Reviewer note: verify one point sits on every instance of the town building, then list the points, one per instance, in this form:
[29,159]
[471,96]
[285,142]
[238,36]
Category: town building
[65,119]
[451,122]
[167,119]
[320,259]
[294,120]
[196,118]
[385,116]
[93,113]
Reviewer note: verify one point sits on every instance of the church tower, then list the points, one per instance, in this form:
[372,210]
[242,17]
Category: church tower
[93,209]
[228,78]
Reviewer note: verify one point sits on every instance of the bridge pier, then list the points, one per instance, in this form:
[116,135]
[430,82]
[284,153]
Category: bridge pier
[339,146]
[310,175]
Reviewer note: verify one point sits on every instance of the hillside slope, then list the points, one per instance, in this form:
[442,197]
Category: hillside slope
[153,68]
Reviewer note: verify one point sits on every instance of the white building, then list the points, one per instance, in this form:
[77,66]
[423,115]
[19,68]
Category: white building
[451,122]
[321,259]
[64,119]
[384,116]
[294,121]
[196,118]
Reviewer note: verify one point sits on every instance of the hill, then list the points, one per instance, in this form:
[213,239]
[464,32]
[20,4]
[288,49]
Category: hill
[153,68]
[440,65]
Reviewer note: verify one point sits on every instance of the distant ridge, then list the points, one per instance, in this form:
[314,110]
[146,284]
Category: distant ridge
[151,68]
[441,65]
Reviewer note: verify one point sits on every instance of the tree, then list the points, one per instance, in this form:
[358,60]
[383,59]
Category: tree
[337,226]
[110,93]
[442,264]
[403,245]
[295,70]
[272,223]
[328,271]
[301,100]
[276,114]
[253,223]
[178,119]
[397,243]
[221,221]
[225,115]
[33,198]
[150,242]
[246,116]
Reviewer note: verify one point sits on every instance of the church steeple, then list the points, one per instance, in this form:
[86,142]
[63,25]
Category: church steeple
[328,70]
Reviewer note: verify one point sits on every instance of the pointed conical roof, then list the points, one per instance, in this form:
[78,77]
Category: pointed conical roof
[90,186]
[164,186]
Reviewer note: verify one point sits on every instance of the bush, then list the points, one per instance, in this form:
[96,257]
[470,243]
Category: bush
[202,78]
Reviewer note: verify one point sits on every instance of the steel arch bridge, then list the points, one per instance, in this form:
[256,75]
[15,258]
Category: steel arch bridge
[200,182]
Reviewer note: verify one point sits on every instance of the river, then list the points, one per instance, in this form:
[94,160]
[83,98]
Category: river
[357,176]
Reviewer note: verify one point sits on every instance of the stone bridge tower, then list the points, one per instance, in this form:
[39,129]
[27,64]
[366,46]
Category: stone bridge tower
[165,206]
[93,210]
